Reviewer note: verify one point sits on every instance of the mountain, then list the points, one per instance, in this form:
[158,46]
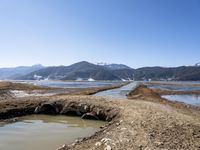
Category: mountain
[182,73]
[79,71]
[88,71]
[197,64]
[114,66]
[12,73]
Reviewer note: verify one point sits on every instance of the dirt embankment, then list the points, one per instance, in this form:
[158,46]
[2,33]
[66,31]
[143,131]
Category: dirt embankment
[142,92]
[144,122]
[136,124]
[5,85]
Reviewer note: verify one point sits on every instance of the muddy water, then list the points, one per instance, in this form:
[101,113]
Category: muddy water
[43,132]
[188,99]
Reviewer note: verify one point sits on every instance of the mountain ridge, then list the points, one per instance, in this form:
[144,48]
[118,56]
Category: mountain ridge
[88,71]
[14,72]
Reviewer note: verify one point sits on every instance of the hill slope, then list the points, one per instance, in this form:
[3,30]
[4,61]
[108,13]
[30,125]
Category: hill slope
[12,73]
[79,71]
[88,71]
[183,73]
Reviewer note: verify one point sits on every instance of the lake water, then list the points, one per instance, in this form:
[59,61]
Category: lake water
[180,86]
[177,86]
[119,92]
[188,99]
[44,132]
[69,84]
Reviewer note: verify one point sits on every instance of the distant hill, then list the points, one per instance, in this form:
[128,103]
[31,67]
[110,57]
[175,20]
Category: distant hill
[12,73]
[183,73]
[80,71]
[114,66]
[88,71]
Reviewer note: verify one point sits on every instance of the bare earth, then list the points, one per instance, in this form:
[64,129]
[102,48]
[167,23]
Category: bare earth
[144,122]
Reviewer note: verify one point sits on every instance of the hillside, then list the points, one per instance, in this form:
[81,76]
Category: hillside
[12,73]
[80,71]
[183,73]
[88,71]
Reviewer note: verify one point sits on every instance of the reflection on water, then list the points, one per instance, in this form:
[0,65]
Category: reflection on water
[188,99]
[44,132]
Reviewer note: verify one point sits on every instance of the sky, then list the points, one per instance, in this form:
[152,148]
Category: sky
[137,33]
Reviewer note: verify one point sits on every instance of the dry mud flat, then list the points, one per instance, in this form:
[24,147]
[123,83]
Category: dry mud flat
[141,123]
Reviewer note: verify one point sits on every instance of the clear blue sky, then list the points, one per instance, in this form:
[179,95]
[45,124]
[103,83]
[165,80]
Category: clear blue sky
[134,32]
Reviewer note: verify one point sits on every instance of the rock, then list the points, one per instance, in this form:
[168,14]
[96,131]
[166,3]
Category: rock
[108,147]
[89,116]
[105,140]
[98,144]
[123,128]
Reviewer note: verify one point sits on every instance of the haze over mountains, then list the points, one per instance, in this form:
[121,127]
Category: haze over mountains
[12,73]
[88,71]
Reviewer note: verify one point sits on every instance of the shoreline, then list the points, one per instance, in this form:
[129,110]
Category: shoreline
[140,122]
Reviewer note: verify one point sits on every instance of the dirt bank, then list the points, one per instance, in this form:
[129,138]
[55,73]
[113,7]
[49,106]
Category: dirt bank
[134,124]
[5,85]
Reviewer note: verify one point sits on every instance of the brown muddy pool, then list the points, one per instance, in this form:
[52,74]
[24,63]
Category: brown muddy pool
[44,132]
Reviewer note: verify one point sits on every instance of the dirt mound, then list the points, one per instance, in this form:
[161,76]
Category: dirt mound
[142,91]
[5,94]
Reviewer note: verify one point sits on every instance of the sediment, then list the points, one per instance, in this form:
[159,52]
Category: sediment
[143,122]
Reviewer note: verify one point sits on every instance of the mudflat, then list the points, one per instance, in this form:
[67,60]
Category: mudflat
[144,121]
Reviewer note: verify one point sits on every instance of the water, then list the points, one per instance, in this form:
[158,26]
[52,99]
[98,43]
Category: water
[177,86]
[69,84]
[119,92]
[188,99]
[44,132]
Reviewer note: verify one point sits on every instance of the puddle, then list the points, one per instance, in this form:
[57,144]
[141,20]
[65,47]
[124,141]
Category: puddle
[188,99]
[44,132]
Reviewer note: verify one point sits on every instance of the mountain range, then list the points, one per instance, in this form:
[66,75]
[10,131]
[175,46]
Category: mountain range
[88,71]
[82,71]
[15,72]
